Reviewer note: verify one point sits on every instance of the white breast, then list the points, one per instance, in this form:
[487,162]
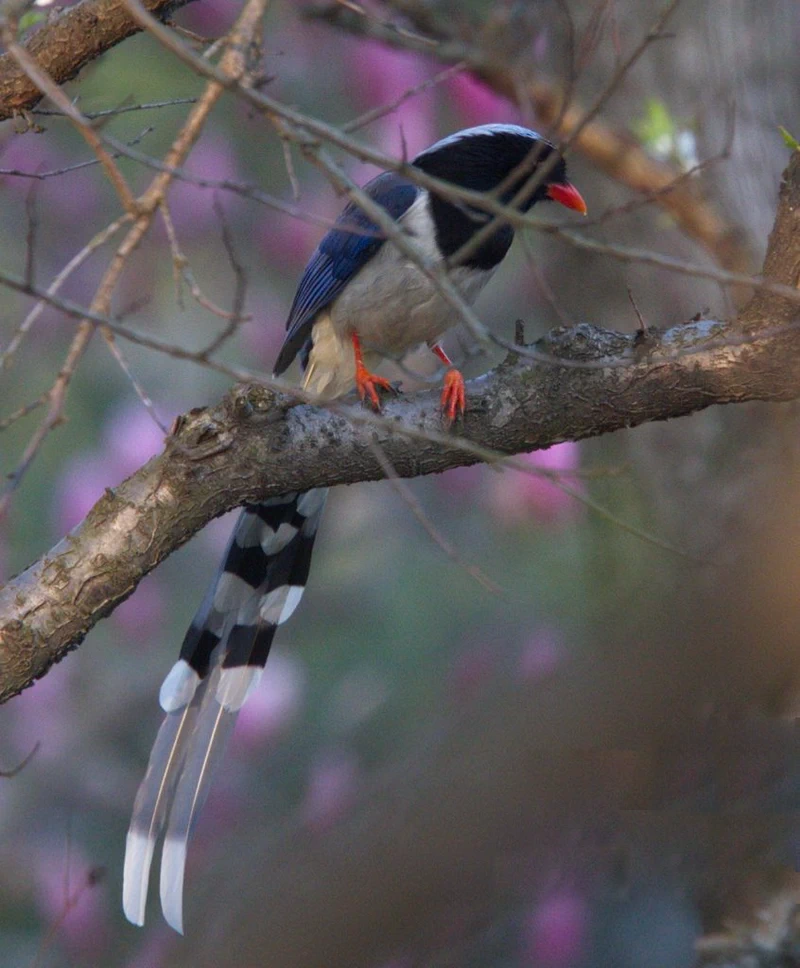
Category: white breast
[391,305]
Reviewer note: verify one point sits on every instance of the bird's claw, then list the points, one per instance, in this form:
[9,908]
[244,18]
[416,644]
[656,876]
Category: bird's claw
[454,397]
[368,384]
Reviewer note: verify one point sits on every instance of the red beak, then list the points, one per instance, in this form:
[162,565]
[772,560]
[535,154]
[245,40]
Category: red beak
[567,195]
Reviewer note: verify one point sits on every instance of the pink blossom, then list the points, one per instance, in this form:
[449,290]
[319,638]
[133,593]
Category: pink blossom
[41,714]
[132,438]
[387,75]
[541,655]
[191,206]
[216,534]
[358,696]
[28,152]
[210,19]
[79,488]
[72,899]
[331,790]
[459,481]
[263,334]
[153,952]
[517,496]
[142,615]
[477,103]
[287,241]
[4,567]
[554,934]
[472,671]
[273,706]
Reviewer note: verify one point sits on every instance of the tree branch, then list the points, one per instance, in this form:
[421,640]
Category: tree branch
[257,443]
[67,43]
[610,149]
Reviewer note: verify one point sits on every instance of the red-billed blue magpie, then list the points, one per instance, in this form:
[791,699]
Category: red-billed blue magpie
[360,299]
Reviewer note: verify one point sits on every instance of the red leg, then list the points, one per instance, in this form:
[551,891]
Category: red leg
[453,394]
[366,382]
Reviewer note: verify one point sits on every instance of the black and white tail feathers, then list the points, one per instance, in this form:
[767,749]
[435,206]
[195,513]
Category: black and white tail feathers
[223,655]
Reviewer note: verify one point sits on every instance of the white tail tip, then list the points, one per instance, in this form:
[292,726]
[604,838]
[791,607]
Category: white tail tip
[178,689]
[138,858]
[173,865]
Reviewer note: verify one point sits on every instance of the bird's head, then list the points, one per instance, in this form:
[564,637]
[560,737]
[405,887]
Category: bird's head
[492,157]
[503,156]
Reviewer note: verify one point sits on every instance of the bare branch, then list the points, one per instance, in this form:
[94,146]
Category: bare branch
[68,42]
[234,66]
[611,150]
[50,88]
[258,443]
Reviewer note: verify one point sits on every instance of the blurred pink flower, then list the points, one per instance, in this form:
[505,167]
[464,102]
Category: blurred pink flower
[359,694]
[132,438]
[287,241]
[386,75]
[273,706]
[42,715]
[554,934]
[73,194]
[153,951]
[460,481]
[28,152]
[472,670]
[477,103]
[216,534]
[79,488]
[331,790]
[210,19]
[191,206]
[517,496]
[541,655]
[142,615]
[4,567]
[72,900]
[263,334]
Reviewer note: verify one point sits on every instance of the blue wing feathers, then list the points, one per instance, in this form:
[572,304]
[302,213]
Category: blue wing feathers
[339,256]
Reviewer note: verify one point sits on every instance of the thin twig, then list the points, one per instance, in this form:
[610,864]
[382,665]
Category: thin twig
[368,117]
[57,172]
[237,316]
[48,87]
[77,260]
[449,549]
[123,109]
[23,411]
[232,68]
[10,774]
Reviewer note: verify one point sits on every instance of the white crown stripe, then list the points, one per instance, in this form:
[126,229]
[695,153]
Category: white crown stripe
[482,129]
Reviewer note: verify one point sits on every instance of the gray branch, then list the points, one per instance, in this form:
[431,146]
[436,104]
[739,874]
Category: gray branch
[69,41]
[257,443]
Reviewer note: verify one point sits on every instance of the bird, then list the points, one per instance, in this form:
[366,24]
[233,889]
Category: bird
[360,299]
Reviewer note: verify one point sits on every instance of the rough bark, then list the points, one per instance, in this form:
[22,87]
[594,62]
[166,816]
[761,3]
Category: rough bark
[67,43]
[256,444]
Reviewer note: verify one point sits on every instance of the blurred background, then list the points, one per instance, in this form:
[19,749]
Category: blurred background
[593,766]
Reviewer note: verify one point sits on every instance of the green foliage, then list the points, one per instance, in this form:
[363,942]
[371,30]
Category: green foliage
[789,140]
[30,19]
[664,136]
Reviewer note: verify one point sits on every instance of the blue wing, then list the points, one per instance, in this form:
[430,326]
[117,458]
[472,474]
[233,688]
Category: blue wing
[339,256]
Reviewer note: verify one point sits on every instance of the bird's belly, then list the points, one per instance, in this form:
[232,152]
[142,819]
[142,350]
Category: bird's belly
[393,312]
[392,307]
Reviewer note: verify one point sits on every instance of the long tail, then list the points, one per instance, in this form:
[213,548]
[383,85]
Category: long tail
[223,655]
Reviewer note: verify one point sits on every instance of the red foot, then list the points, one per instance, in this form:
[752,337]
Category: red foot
[367,382]
[453,396]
